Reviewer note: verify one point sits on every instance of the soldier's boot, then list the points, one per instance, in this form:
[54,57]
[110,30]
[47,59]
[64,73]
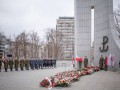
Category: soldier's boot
[21,68]
[11,69]
[28,68]
[5,70]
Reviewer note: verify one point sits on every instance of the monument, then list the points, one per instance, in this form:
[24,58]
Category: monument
[106,40]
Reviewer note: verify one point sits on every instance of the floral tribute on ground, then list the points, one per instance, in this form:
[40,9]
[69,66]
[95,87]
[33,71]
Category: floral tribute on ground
[64,79]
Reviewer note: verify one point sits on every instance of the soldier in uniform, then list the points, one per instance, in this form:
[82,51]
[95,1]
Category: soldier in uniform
[106,63]
[11,64]
[5,65]
[85,61]
[37,63]
[22,64]
[16,63]
[101,62]
[41,64]
[0,64]
[26,64]
[32,63]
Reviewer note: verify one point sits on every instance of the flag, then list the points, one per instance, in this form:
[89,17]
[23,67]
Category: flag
[79,59]
[112,60]
[109,60]
[3,56]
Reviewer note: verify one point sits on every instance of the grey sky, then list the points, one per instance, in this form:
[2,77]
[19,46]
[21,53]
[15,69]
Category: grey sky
[37,15]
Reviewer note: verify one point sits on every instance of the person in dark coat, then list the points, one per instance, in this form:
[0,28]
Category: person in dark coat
[85,61]
[41,64]
[101,62]
[11,64]
[16,64]
[36,63]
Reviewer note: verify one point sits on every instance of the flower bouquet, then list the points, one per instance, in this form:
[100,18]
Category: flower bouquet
[45,83]
[64,79]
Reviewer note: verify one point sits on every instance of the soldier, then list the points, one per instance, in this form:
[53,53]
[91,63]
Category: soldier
[106,63]
[16,63]
[22,64]
[36,64]
[26,64]
[5,64]
[32,63]
[85,61]
[0,64]
[101,62]
[41,64]
[11,64]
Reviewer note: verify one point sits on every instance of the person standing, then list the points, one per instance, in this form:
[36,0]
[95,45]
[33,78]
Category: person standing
[5,64]
[22,64]
[0,64]
[11,64]
[26,62]
[106,63]
[79,59]
[101,62]
[16,64]
[85,61]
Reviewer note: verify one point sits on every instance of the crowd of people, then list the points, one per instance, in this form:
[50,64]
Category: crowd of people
[27,64]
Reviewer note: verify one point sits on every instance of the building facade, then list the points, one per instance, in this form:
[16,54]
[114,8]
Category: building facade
[4,44]
[106,39]
[66,26]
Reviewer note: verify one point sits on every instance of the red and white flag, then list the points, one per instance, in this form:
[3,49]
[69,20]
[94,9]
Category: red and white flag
[3,56]
[79,59]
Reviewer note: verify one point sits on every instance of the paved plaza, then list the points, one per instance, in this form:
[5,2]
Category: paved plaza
[29,80]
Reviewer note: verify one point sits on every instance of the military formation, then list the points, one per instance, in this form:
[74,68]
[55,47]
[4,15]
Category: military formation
[27,64]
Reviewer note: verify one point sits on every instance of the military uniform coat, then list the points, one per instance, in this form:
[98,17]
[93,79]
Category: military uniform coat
[101,62]
[11,63]
[86,62]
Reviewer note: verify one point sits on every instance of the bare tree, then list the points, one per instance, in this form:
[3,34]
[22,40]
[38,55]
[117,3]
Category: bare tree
[24,42]
[117,19]
[16,47]
[34,44]
[54,44]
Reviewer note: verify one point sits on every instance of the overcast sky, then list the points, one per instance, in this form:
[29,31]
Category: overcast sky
[19,15]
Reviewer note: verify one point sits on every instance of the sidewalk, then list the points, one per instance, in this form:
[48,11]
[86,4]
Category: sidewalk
[29,80]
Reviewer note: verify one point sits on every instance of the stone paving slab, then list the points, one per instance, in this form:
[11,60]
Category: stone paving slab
[29,80]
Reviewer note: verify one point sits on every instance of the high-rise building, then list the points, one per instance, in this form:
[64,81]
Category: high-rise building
[4,43]
[66,26]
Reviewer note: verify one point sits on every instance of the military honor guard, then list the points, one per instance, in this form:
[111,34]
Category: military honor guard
[27,64]
[22,64]
[16,64]
[32,63]
[10,64]
[41,64]
[5,64]
[106,63]
[101,62]
[85,61]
